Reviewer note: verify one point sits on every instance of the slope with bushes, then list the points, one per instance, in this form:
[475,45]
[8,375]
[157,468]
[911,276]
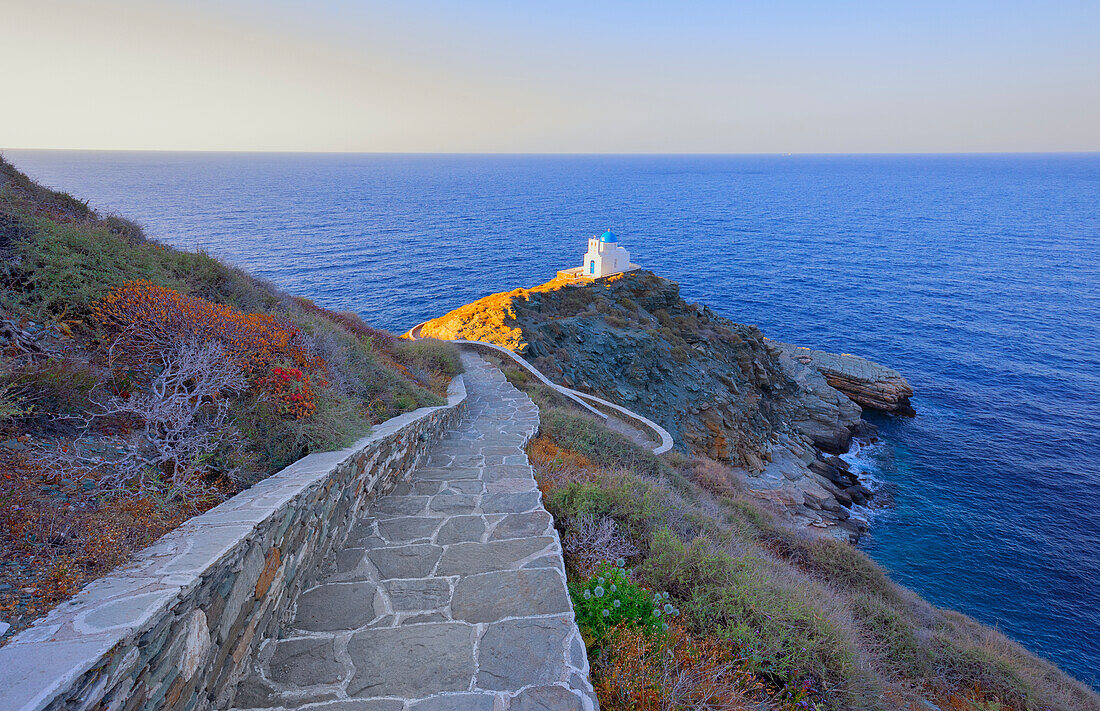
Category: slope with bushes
[759,615]
[140,385]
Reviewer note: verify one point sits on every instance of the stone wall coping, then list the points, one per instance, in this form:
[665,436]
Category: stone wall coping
[665,441]
[46,659]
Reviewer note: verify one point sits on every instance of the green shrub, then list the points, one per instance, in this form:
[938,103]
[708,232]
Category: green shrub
[18,193]
[429,355]
[124,228]
[609,599]
[276,441]
[634,505]
[967,665]
[54,386]
[835,562]
[13,405]
[516,376]
[894,637]
[751,514]
[545,397]
[356,370]
[777,628]
[68,266]
[204,276]
[606,448]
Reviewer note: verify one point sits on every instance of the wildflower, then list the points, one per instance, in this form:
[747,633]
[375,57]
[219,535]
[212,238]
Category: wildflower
[656,612]
[614,588]
[606,612]
[620,562]
[668,608]
[616,603]
[664,626]
[587,594]
[598,592]
[600,580]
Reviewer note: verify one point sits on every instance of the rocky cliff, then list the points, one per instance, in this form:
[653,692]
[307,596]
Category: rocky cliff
[721,388]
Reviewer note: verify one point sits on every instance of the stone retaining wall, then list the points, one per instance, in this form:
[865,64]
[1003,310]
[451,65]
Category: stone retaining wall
[175,628]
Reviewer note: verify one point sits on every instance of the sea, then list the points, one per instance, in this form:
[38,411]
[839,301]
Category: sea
[976,276]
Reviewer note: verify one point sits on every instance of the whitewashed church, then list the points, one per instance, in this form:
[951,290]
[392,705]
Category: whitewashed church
[605,256]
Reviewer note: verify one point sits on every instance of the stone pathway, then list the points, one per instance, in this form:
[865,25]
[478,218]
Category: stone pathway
[450,593]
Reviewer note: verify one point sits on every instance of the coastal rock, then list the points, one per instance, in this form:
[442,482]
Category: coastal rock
[842,497]
[832,473]
[859,494]
[722,389]
[867,383]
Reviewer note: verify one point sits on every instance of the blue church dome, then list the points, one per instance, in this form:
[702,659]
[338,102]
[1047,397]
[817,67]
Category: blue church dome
[608,236]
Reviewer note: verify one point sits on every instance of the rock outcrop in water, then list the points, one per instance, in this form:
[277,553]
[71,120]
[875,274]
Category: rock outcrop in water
[721,388]
[867,383]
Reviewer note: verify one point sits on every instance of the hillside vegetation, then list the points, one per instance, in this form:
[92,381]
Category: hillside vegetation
[140,385]
[759,616]
[722,389]
[762,611]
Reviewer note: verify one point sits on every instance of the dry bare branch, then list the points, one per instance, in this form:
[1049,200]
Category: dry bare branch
[182,420]
[590,541]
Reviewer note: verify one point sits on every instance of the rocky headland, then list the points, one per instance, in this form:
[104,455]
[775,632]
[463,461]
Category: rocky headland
[775,414]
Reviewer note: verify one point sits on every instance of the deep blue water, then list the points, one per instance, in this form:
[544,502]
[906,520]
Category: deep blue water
[976,276]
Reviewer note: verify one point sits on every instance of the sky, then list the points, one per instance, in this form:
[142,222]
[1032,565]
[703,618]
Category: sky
[567,76]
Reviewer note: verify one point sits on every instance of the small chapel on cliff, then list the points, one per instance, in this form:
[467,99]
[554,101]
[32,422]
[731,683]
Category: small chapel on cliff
[605,256]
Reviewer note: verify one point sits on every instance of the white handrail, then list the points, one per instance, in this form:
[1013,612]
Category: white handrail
[666,441]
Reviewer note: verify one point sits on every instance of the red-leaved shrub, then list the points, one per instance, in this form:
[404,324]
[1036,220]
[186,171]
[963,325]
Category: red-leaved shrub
[143,319]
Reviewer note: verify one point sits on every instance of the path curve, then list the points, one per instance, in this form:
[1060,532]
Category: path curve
[580,398]
[450,592]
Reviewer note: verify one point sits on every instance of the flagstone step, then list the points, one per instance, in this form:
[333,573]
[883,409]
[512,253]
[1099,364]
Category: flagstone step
[450,592]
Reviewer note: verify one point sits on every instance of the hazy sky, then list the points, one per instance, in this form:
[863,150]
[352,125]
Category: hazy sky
[551,75]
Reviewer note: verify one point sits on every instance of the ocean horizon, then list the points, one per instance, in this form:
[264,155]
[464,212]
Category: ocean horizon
[975,275]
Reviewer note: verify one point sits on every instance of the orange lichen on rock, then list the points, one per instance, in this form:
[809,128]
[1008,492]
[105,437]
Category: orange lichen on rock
[490,319]
[556,465]
[493,318]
